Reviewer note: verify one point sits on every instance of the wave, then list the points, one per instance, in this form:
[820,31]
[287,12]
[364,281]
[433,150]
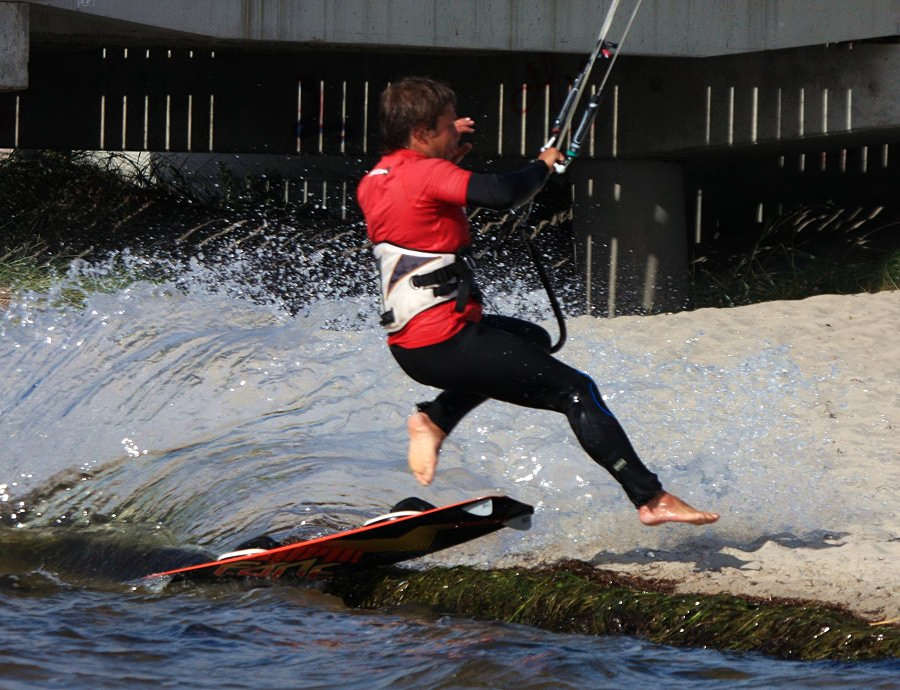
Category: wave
[197,409]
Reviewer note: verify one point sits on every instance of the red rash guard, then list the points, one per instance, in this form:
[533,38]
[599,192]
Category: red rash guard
[418,205]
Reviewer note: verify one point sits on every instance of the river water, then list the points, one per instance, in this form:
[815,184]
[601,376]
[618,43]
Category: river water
[156,418]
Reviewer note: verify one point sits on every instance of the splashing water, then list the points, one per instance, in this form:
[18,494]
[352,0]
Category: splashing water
[198,406]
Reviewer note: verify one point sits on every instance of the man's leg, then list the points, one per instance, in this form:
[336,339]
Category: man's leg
[433,422]
[492,359]
[430,425]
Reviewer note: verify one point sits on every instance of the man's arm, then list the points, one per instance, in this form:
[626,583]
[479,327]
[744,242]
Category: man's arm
[507,190]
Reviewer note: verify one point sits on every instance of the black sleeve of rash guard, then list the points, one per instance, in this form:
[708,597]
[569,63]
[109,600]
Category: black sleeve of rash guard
[506,190]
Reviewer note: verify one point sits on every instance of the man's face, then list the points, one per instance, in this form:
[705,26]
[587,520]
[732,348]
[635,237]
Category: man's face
[443,140]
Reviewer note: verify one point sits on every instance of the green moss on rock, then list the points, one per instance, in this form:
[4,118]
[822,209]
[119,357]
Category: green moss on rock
[576,598]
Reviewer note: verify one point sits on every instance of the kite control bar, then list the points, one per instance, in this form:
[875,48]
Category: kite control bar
[563,122]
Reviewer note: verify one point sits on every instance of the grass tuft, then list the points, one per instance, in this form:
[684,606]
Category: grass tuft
[813,249]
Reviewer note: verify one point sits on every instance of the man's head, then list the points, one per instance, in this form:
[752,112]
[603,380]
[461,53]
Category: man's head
[412,108]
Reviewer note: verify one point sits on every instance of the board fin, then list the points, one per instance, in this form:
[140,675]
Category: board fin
[405,508]
[413,503]
[251,546]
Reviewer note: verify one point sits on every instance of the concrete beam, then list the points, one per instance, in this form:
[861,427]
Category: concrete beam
[695,28]
[824,92]
[13,46]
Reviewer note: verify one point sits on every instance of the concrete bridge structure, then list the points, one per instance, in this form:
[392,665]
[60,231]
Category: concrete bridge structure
[796,94]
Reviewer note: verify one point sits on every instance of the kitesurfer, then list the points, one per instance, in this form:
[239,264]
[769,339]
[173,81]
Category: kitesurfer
[413,201]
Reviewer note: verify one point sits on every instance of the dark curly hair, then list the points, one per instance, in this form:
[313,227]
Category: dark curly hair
[409,103]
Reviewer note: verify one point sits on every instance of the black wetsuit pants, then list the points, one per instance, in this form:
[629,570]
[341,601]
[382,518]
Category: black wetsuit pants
[508,359]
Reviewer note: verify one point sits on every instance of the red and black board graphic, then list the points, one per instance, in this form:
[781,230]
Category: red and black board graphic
[384,541]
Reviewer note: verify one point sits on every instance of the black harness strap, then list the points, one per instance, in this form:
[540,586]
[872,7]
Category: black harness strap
[459,276]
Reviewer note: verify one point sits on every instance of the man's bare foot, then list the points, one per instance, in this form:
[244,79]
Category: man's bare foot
[665,507]
[425,439]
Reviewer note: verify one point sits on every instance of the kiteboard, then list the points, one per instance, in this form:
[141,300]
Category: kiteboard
[412,529]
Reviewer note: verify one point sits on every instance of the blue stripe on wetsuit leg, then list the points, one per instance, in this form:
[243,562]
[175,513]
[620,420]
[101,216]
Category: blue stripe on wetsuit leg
[596,397]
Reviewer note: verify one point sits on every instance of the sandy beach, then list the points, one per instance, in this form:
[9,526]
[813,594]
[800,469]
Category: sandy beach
[850,345]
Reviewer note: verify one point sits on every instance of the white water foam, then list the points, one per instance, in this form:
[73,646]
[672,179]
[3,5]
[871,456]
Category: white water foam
[218,418]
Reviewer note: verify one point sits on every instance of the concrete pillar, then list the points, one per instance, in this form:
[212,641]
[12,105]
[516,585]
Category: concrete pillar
[13,46]
[629,220]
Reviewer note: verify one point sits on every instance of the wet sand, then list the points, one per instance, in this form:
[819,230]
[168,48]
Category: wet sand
[850,345]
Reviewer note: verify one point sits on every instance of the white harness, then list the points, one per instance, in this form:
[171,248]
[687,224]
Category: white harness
[413,281]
